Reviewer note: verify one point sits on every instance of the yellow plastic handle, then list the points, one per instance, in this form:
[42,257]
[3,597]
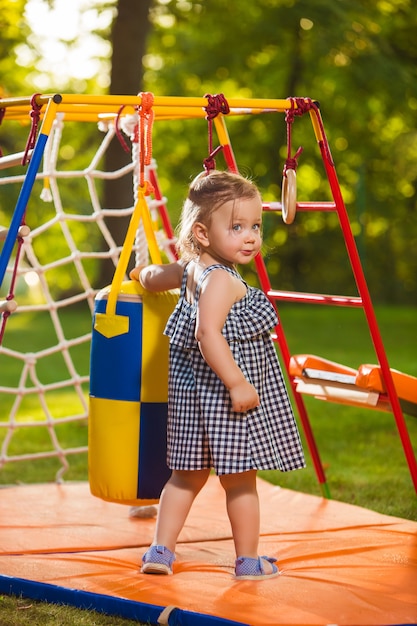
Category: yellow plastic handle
[141,211]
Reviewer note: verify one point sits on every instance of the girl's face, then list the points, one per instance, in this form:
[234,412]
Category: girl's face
[234,235]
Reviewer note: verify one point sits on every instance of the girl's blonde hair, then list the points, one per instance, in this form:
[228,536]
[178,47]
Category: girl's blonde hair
[206,194]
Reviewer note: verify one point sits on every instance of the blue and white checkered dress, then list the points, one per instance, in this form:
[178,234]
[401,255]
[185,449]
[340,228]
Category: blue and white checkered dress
[203,431]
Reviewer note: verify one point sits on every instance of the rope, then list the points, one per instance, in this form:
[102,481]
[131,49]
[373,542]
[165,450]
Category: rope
[139,128]
[216,104]
[304,105]
[142,137]
[35,114]
[27,386]
[146,118]
[117,129]
[10,296]
[292,161]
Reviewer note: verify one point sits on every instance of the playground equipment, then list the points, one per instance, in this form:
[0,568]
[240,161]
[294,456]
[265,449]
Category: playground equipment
[384,388]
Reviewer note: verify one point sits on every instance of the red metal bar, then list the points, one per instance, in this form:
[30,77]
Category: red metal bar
[301,206]
[364,301]
[282,344]
[314,298]
[368,307]
[162,210]
[230,158]
[285,353]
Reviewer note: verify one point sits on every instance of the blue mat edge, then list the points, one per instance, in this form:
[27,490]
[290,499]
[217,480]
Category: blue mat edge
[129,609]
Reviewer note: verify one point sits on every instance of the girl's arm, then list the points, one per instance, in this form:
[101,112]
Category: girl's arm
[219,292]
[159,277]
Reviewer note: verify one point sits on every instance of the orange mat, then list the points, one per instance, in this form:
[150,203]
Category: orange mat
[340,564]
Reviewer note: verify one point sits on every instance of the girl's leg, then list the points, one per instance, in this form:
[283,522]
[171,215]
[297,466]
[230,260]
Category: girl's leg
[176,499]
[243,510]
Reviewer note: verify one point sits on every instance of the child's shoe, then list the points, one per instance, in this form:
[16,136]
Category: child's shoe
[143,512]
[247,568]
[157,560]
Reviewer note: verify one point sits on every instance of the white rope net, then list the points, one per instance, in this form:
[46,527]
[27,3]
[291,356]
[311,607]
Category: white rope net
[44,356]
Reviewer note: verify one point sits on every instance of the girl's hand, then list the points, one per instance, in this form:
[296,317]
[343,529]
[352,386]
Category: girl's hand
[159,277]
[134,274]
[244,397]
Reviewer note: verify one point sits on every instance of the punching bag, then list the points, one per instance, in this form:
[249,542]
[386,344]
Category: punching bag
[128,395]
[129,380]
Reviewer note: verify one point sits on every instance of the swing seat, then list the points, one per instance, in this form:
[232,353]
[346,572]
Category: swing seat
[333,382]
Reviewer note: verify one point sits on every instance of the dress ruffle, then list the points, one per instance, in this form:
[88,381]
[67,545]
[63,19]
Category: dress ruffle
[252,316]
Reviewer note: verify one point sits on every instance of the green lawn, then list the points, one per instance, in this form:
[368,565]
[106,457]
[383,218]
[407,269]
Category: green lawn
[360,448]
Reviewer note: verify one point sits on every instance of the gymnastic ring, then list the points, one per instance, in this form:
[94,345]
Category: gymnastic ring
[289,196]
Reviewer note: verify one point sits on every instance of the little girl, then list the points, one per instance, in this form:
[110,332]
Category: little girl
[228,407]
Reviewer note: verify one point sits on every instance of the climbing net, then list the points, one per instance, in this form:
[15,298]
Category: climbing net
[44,355]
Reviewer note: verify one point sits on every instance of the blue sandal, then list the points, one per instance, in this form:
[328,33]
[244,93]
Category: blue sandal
[247,568]
[157,560]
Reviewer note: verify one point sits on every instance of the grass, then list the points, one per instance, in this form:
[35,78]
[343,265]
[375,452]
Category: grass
[360,448]
[23,612]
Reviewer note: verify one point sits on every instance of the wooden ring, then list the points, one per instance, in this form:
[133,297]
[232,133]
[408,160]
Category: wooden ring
[289,196]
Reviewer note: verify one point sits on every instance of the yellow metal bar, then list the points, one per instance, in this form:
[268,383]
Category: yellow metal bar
[90,107]
[242,103]
[110,100]
[182,101]
[315,117]
[223,135]
[91,114]
[248,105]
[221,129]
[26,100]
[50,114]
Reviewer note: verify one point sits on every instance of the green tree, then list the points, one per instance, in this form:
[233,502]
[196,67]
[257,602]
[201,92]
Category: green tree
[358,59]
[14,30]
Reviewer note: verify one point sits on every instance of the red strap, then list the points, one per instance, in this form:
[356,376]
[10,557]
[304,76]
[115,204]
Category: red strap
[291,162]
[5,315]
[216,104]
[117,129]
[304,105]
[35,114]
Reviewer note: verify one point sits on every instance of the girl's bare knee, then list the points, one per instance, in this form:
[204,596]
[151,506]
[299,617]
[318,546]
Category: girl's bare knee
[192,480]
[243,481]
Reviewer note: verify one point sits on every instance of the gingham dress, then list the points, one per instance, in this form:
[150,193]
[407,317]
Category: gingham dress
[203,431]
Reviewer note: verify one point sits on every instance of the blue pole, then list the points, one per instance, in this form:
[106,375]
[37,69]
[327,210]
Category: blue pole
[27,186]
[21,205]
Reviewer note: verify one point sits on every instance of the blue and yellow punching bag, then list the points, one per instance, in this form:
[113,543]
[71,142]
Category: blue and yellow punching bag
[128,398]
[129,389]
